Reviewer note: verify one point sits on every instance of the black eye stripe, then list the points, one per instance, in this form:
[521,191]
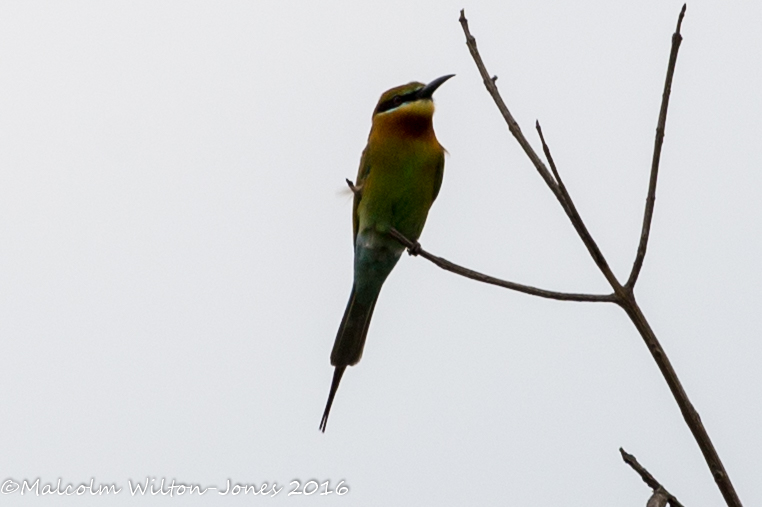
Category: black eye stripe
[396,101]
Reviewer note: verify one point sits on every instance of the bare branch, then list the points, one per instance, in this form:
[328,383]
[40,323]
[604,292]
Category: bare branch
[649,479]
[571,212]
[690,414]
[414,248]
[623,295]
[651,199]
[490,83]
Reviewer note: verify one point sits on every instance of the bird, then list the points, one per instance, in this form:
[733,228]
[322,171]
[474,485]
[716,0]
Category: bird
[399,178]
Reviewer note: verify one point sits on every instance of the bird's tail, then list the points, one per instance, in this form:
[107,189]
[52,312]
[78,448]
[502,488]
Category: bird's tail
[350,341]
[337,373]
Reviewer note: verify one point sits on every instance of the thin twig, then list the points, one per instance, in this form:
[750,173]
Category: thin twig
[552,163]
[415,249]
[649,479]
[567,201]
[490,83]
[651,199]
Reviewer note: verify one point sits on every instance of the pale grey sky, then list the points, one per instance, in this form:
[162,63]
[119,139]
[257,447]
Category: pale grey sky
[176,251]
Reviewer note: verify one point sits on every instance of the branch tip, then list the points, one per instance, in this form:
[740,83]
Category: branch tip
[680,18]
[650,480]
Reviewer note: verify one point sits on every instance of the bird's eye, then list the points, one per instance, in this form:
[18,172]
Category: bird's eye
[397,100]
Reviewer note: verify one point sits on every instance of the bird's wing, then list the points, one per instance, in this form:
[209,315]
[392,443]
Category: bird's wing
[438,175]
[362,175]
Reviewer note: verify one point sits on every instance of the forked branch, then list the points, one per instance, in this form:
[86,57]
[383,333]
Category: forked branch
[577,222]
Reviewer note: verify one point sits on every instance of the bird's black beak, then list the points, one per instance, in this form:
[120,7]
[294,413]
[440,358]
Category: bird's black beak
[427,91]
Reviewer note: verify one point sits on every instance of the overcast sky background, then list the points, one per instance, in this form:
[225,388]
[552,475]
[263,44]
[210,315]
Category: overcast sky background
[175,251]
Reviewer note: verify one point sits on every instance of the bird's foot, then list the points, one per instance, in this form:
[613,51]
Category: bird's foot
[415,249]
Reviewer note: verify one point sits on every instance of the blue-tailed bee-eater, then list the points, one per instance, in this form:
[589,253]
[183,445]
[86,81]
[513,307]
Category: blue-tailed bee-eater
[399,177]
